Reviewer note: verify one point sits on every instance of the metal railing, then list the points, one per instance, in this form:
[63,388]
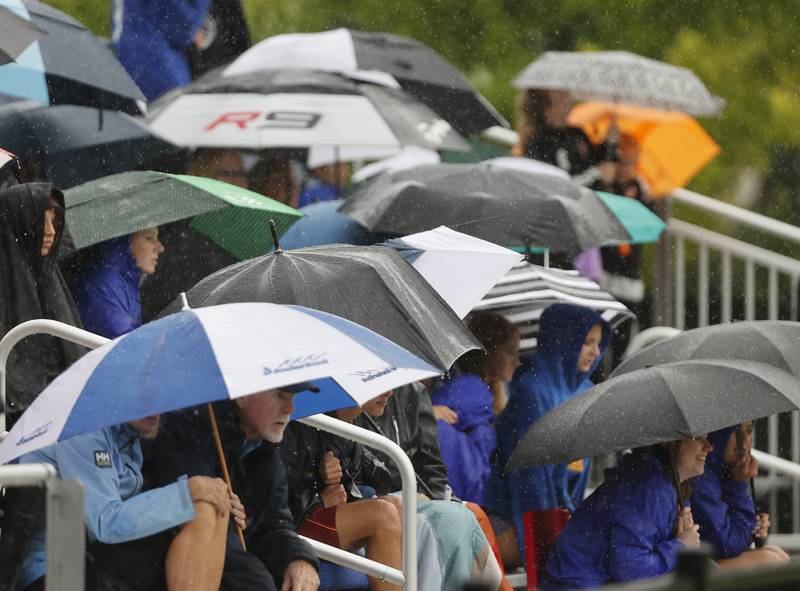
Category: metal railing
[64,535]
[755,264]
[407,578]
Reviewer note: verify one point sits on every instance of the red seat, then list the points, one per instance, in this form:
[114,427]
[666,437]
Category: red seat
[542,527]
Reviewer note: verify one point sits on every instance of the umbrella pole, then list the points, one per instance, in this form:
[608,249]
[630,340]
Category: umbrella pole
[221,455]
[758,542]
[274,230]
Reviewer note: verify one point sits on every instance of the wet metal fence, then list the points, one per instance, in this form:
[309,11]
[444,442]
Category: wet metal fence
[736,280]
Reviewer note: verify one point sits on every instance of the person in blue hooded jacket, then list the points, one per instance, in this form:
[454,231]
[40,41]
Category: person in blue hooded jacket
[570,344]
[722,505]
[633,525]
[464,405]
[150,38]
[106,289]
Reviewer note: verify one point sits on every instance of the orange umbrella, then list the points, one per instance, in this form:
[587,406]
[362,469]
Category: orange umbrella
[673,147]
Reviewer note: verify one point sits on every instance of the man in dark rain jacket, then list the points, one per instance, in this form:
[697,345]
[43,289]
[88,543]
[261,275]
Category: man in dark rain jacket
[186,446]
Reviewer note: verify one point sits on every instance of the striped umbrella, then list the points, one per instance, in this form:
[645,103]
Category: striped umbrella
[523,294]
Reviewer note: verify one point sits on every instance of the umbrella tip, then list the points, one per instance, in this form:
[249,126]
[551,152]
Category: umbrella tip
[274,229]
[184,302]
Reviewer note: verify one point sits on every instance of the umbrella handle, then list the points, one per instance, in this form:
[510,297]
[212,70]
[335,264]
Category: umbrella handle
[758,542]
[221,456]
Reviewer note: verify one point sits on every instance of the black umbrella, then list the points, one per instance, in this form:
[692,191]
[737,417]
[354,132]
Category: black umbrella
[415,66]
[774,342]
[79,68]
[657,404]
[75,144]
[505,206]
[371,285]
[16,34]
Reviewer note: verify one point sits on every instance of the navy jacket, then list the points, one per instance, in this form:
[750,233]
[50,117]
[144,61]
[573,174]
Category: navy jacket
[625,530]
[468,444]
[151,37]
[722,506]
[548,381]
[185,446]
[106,291]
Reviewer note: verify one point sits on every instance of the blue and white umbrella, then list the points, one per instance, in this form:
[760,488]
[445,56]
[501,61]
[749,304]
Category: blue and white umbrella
[215,353]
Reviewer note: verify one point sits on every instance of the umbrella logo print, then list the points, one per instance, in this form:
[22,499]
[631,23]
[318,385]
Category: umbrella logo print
[297,363]
[368,376]
[435,132]
[291,120]
[36,433]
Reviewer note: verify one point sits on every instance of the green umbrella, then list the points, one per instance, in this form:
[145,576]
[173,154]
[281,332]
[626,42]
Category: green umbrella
[641,223]
[237,219]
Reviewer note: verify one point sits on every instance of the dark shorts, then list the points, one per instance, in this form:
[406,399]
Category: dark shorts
[321,526]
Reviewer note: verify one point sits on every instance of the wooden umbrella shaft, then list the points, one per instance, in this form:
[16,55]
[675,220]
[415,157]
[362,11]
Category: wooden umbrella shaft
[221,455]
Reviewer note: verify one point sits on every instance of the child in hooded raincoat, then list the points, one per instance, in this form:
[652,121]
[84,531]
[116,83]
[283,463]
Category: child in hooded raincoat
[571,342]
[722,505]
[633,525]
[465,405]
[106,290]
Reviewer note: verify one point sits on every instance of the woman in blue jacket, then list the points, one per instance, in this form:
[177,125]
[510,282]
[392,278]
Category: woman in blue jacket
[722,505]
[106,290]
[464,406]
[632,526]
[571,343]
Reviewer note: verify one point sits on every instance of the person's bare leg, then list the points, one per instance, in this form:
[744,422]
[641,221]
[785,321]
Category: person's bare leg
[196,556]
[509,548]
[376,523]
[766,556]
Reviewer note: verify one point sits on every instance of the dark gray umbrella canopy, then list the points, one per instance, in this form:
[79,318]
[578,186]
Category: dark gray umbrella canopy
[79,68]
[657,404]
[774,342]
[370,285]
[77,144]
[620,76]
[505,206]
[16,34]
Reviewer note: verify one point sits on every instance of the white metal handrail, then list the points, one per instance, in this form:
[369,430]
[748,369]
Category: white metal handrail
[786,467]
[347,559]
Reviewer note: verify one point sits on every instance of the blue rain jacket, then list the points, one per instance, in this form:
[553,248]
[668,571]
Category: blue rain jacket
[467,446]
[543,383]
[150,38]
[109,465]
[722,506]
[624,531]
[107,293]
[316,191]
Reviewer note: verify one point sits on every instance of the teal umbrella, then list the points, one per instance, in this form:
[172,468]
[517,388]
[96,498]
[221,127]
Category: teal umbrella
[641,223]
[235,218]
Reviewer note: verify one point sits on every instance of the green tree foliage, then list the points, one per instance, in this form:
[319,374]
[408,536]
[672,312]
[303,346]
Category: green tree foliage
[745,51]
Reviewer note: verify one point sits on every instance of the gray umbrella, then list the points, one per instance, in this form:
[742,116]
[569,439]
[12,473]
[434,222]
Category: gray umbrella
[370,285]
[774,342]
[654,405]
[509,207]
[620,76]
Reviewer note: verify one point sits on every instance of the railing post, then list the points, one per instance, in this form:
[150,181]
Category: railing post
[680,283]
[66,544]
[726,308]
[749,290]
[702,286]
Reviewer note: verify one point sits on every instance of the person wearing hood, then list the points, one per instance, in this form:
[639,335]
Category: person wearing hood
[31,229]
[106,290]
[722,505]
[633,525]
[465,405]
[571,342]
